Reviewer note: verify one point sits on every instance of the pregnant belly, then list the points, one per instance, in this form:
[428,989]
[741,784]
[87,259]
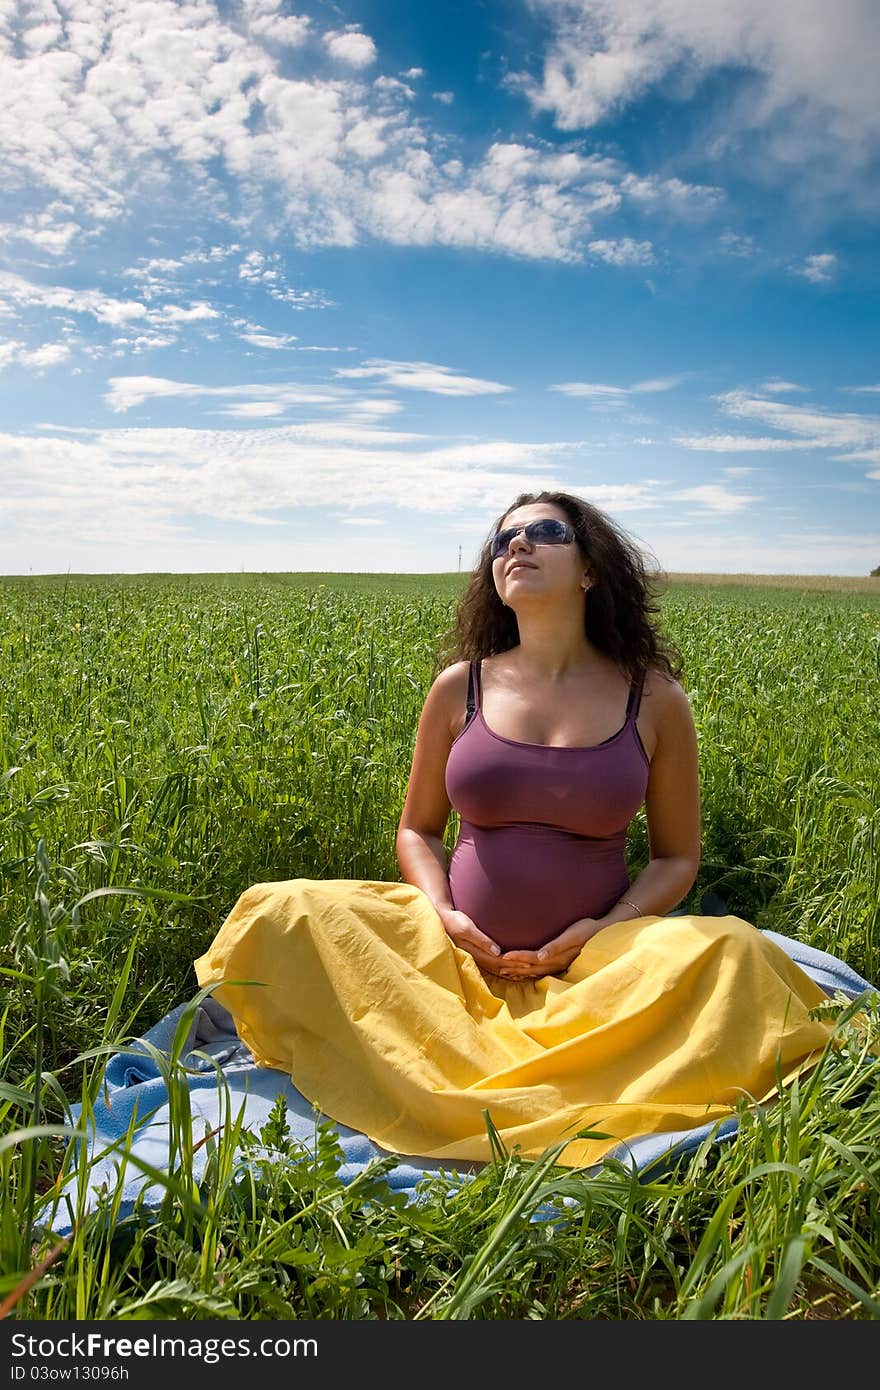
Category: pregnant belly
[524,884]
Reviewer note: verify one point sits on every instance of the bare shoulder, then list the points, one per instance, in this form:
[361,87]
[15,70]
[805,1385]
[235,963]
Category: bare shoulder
[447,697]
[452,680]
[665,692]
[666,702]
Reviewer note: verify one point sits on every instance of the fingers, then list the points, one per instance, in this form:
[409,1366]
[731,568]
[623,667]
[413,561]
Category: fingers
[464,933]
[568,944]
[536,972]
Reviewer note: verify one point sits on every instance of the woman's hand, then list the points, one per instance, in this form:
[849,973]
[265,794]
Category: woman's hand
[553,958]
[464,932]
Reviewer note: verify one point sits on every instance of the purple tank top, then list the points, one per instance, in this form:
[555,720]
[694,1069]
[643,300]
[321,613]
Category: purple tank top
[542,839]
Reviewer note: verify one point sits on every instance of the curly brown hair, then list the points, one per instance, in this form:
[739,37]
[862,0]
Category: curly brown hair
[621,615]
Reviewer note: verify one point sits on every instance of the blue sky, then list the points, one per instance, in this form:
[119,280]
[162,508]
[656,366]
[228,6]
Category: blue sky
[324,286]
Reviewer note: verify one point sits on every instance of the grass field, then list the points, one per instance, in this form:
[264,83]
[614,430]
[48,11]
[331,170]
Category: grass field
[179,737]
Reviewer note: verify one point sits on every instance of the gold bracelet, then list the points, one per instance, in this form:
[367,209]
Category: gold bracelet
[631,904]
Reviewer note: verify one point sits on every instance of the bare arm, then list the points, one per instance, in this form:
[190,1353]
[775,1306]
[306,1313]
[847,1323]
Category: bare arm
[421,852]
[672,806]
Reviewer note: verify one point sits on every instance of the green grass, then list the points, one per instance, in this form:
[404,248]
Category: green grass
[167,740]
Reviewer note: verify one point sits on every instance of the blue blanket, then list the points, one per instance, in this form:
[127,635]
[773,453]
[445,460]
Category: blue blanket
[223,1079]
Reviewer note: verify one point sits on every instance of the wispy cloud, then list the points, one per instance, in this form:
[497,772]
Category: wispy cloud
[819,269]
[625,251]
[136,325]
[852,438]
[604,393]
[106,309]
[738,443]
[45,355]
[806,93]
[161,482]
[272,342]
[738,244]
[169,102]
[126,392]
[716,497]
[422,376]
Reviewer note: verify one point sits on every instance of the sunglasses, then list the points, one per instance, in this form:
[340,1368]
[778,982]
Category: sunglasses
[547,531]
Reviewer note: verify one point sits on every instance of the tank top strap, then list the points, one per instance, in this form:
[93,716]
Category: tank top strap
[474,690]
[635,695]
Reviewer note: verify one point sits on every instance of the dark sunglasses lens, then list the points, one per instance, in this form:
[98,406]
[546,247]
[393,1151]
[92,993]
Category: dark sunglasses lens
[549,532]
[501,540]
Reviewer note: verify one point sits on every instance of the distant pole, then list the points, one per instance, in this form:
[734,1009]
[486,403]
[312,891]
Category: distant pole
[459,559]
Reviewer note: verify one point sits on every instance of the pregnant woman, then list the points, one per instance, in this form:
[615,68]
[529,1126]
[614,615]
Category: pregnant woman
[526,980]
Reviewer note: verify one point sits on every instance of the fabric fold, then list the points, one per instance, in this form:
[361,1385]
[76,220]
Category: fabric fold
[354,990]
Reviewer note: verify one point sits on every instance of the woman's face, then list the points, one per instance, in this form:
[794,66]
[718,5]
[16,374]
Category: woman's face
[527,568]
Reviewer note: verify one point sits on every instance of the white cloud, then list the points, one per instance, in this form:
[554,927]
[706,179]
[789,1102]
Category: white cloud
[266,20]
[819,269]
[46,355]
[275,342]
[778,387]
[350,46]
[49,355]
[154,268]
[853,438]
[255,410]
[422,376]
[715,497]
[102,307]
[598,391]
[139,326]
[811,70]
[395,86]
[737,443]
[134,483]
[673,194]
[141,342]
[739,245]
[738,552]
[176,313]
[660,383]
[51,230]
[266,270]
[622,497]
[625,251]
[126,392]
[127,103]
[592,390]
[253,400]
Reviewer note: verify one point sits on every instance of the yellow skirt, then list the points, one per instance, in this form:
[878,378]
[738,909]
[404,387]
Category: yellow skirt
[354,989]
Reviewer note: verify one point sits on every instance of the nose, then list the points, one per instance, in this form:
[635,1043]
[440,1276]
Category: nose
[520,538]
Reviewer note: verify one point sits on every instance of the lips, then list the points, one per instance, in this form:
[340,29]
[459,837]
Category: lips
[519,565]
